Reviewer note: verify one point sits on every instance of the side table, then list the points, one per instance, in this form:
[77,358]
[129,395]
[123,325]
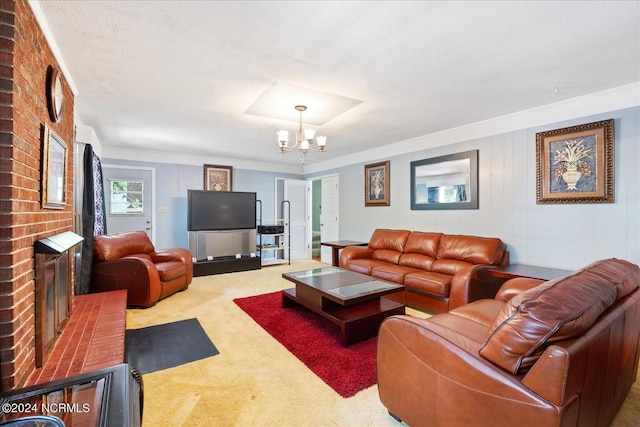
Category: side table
[491,278]
[338,245]
[524,270]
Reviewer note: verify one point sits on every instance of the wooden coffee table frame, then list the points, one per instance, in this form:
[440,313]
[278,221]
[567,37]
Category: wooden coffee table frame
[358,317]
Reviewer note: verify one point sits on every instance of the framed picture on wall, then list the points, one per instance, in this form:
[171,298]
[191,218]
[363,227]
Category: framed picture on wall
[376,184]
[218,178]
[575,164]
[54,170]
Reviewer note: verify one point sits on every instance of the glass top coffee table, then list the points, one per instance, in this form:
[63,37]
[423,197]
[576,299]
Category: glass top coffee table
[353,301]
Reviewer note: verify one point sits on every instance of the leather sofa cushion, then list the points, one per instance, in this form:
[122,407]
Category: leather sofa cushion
[413,260]
[556,310]
[116,246]
[428,282]
[515,286]
[482,311]
[388,244]
[619,270]
[422,243]
[386,255]
[364,265]
[388,239]
[471,249]
[449,266]
[392,273]
[420,250]
[171,270]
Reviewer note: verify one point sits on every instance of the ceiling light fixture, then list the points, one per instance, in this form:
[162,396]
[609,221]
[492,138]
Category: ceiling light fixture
[304,138]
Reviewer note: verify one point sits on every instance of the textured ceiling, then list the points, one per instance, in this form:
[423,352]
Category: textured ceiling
[179,76]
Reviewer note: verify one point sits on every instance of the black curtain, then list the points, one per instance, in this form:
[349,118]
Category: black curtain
[93,216]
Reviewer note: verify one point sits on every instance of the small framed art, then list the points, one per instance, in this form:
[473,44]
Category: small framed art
[376,184]
[218,178]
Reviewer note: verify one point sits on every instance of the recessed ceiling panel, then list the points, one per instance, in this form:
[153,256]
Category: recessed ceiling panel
[279,100]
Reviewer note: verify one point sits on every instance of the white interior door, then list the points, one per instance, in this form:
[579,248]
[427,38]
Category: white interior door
[297,193]
[329,215]
[129,199]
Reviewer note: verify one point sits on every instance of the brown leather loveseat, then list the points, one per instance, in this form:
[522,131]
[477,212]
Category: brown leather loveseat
[129,261]
[562,353]
[437,270]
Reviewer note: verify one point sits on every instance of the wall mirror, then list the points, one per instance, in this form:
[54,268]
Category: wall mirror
[445,182]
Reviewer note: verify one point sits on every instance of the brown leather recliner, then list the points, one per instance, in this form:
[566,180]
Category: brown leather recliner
[129,261]
[540,354]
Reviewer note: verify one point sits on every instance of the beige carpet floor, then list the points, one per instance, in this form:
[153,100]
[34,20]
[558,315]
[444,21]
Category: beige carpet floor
[255,381]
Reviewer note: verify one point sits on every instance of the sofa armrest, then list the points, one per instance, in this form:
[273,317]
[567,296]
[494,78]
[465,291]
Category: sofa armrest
[513,287]
[354,252]
[549,376]
[137,275]
[427,371]
[176,254]
[473,283]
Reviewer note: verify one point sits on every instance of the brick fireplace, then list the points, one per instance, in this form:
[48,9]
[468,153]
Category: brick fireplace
[25,56]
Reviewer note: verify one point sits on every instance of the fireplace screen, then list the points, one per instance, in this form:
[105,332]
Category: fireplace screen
[52,299]
[54,257]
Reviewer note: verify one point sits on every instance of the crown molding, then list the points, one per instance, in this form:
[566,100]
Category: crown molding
[613,99]
[57,54]
[112,152]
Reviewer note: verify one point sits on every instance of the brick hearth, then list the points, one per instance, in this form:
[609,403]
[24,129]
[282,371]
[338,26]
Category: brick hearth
[93,338]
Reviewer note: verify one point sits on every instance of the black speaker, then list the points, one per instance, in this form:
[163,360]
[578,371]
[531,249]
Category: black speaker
[271,229]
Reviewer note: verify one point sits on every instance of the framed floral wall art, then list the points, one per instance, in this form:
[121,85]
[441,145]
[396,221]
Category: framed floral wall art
[576,164]
[218,178]
[376,184]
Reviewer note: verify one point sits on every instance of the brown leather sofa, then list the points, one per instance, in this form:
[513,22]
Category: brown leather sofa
[439,271]
[129,261]
[559,353]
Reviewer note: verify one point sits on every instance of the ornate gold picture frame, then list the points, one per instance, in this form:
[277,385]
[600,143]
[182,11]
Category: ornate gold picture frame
[54,170]
[376,184]
[576,164]
[218,178]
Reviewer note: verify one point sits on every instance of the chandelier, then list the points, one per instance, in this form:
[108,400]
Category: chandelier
[304,138]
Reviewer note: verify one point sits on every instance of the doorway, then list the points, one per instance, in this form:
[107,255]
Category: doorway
[129,199]
[325,215]
[296,193]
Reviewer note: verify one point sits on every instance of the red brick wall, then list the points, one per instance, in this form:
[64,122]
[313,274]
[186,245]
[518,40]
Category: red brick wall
[24,58]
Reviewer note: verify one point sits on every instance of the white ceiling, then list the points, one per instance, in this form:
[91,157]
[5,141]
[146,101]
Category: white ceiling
[180,76]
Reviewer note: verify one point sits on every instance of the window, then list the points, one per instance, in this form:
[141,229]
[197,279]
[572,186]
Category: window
[126,197]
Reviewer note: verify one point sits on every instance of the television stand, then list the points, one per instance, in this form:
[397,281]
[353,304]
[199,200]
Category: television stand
[215,251]
[226,265]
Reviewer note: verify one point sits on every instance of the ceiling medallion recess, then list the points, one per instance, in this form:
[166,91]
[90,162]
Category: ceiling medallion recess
[304,138]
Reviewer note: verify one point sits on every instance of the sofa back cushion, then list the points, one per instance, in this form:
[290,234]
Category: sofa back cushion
[388,244]
[115,246]
[456,252]
[556,310]
[420,250]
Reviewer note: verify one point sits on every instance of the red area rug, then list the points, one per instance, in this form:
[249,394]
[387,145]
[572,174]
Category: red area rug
[316,342]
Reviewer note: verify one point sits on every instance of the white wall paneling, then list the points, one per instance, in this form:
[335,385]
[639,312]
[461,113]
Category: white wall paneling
[562,236]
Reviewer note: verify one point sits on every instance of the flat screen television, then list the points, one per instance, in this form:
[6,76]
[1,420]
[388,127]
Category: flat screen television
[220,210]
